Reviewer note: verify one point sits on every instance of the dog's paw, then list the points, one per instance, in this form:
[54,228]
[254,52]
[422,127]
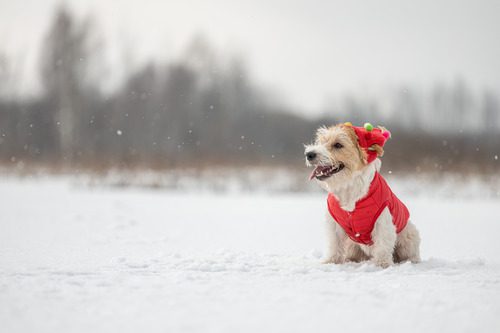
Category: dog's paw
[383,263]
[333,260]
[415,260]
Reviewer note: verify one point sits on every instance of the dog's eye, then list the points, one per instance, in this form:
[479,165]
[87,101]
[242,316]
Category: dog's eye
[337,145]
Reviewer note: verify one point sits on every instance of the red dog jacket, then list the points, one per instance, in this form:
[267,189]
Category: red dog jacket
[359,223]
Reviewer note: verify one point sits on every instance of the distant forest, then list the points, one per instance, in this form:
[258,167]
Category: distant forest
[201,111]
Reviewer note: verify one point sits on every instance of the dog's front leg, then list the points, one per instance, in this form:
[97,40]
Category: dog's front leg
[384,240]
[336,238]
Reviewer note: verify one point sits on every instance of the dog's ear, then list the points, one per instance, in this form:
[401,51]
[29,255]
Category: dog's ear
[354,138]
[378,149]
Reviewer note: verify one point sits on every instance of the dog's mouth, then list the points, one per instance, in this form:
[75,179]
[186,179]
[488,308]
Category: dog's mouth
[322,172]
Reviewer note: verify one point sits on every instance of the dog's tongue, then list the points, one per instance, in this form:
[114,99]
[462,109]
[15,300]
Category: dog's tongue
[316,170]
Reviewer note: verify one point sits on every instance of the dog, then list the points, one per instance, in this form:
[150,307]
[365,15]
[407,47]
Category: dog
[365,220]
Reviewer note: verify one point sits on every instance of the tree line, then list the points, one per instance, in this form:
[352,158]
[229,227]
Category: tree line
[201,110]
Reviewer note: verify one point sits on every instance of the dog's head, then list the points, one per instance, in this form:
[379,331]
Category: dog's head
[337,154]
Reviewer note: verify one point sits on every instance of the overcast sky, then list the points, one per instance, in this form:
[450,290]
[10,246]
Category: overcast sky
[306,50]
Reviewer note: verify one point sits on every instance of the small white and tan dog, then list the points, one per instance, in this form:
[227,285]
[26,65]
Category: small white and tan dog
[365,220]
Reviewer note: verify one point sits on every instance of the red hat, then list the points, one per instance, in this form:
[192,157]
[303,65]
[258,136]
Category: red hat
[369,136]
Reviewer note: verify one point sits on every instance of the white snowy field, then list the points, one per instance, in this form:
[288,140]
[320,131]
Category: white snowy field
[91,259]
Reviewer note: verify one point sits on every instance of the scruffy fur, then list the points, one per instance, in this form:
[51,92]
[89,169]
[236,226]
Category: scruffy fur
[349,186]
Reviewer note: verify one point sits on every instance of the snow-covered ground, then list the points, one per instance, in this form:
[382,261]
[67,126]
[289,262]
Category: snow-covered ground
[101,259]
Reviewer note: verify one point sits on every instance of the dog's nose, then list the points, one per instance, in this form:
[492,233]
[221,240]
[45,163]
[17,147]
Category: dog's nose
[311,155]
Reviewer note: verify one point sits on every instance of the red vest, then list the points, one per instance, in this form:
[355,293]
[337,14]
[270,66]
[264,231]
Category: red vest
[359,223]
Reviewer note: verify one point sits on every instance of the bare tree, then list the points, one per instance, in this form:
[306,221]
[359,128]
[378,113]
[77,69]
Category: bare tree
[65,69]
[491,112]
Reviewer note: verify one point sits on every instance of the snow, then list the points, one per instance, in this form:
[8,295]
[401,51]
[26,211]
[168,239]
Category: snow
[100,259]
